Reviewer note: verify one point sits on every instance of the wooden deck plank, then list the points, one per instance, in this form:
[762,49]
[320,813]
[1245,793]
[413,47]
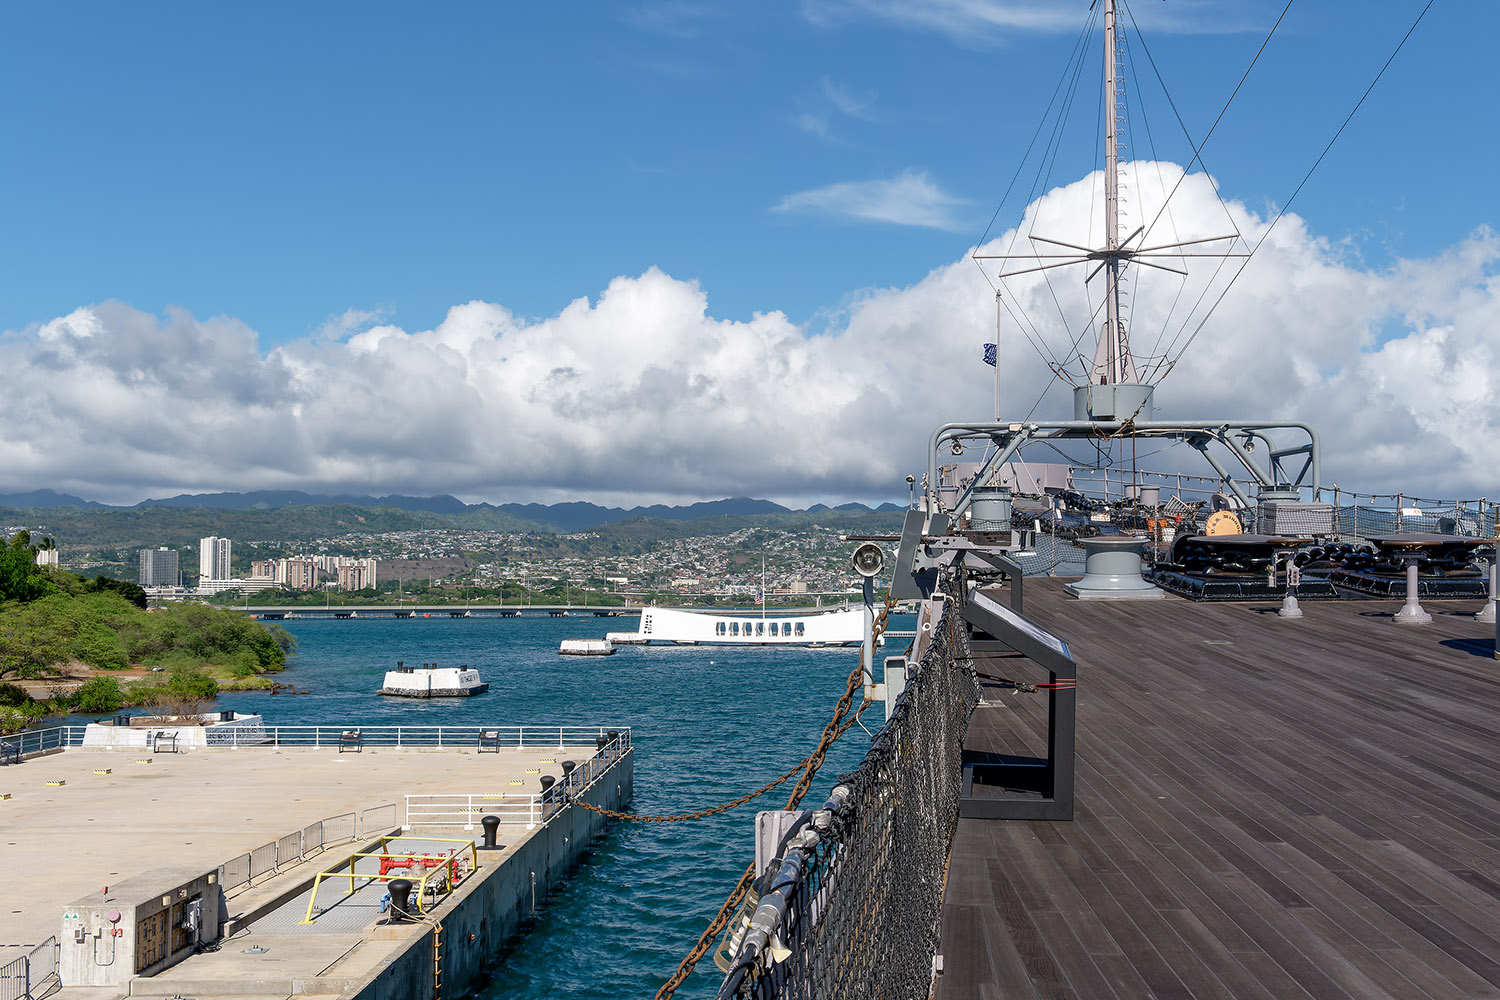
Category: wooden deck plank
[1298,809]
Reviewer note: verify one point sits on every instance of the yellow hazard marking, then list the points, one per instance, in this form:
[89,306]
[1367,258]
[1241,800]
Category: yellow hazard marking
[517,781]
[533,770]
[548,760]
[56,784]
[104,770]
[144,760]
[4,796]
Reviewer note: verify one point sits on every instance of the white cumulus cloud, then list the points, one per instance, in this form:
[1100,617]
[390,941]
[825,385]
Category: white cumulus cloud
[641,392]
[911,198]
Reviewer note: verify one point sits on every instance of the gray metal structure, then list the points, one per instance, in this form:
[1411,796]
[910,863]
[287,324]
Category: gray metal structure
[1045,783]
[1278,468]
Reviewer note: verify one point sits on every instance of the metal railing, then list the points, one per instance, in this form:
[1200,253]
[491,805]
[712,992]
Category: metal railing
[299,845]
[1358,513]
[41,967]
[327,737]
[31,976]
[32,741]
[1367,514]
[449,811]
[516,808]
[15,980]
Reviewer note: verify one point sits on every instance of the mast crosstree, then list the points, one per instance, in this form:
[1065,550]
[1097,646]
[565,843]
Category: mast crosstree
[1113,362]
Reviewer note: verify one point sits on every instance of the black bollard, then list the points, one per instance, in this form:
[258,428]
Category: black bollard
[547,782]
[614,734]
[491,826]
[601,743]
[567,770]
[400,899]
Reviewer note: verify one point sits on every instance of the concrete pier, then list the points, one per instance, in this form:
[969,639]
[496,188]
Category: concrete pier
[80,821]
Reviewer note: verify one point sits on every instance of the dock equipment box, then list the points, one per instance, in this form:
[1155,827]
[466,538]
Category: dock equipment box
[139,927]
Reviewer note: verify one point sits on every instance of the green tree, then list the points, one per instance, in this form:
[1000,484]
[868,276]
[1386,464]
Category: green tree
[98,695]
[21,579]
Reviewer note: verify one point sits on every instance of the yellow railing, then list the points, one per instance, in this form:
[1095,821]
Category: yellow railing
[443,867]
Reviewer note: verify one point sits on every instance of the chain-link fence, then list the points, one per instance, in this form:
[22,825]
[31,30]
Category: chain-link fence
[849,906]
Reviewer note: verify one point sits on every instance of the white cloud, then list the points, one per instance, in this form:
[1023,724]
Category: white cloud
[643,392]
[847,102]
[911,198]
[812,124]
[986,22]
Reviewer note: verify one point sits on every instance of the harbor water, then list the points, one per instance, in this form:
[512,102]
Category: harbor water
[708,724]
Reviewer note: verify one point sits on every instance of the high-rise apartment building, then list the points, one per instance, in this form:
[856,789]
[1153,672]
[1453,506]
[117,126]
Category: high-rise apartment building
[356,574]
[159,568]
[300,574]
[213,558]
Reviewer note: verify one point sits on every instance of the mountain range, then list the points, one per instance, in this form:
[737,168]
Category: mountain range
[566,516]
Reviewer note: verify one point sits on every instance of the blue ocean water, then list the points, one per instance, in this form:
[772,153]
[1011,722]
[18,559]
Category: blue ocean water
[708,723]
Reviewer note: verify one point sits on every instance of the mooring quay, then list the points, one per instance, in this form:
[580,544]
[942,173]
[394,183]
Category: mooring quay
[191,867]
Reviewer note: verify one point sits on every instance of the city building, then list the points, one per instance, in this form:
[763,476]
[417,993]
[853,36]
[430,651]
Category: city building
[206,586]
[213,559]
[159,568]
[356,574]
[299,574]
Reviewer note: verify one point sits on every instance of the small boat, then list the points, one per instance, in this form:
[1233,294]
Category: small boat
[432,681]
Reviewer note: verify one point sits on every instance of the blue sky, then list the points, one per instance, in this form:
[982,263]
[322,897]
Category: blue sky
[284,163]
[309,171]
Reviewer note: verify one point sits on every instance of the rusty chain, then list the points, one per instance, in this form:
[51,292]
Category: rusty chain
[835,728]
[724,807]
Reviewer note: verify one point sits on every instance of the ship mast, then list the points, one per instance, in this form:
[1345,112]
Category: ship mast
[1110,388]
[1112,361]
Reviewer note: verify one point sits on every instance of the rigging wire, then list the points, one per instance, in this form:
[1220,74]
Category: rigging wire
[1076,54]
[1043,176]
[1038,342]
[1150,59]
[1161,182]
[1055,148]
[1163,354]
[1350,117]
[1198,152]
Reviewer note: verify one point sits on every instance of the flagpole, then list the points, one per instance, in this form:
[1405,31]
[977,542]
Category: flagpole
[997,356]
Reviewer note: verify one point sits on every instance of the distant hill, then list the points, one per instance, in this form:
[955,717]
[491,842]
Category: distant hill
[570,516]
[272,499]
[46,498]
[580,516]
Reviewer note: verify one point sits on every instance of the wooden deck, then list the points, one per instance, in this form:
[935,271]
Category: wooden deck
[1266,808]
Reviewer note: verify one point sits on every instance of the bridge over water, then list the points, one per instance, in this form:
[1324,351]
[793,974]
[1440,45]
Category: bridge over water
[279,612]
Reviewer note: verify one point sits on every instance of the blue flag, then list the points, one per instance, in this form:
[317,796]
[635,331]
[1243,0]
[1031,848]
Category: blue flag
[989,354]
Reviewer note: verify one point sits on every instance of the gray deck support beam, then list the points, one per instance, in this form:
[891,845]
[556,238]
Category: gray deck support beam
[1050,779]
